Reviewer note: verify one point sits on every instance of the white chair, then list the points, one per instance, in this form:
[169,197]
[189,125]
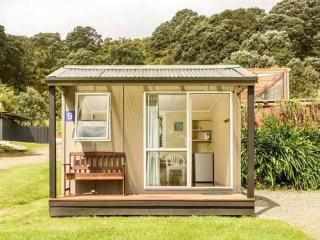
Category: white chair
[175,162]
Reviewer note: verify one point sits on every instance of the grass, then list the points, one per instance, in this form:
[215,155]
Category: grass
[31,148]
[23,185]
[24,215]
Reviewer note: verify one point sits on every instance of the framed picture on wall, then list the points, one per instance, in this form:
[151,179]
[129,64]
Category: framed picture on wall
[178,126]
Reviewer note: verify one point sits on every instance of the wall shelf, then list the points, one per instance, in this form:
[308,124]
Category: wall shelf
[204,120]
[201,140]
[202,130]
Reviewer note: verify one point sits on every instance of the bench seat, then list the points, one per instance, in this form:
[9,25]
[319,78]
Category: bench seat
[92,166]
[94,176]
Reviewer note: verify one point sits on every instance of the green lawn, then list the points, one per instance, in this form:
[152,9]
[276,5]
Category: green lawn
[30,149]
[24,215]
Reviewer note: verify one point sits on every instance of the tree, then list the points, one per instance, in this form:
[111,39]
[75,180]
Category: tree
[15,63]
[272,43]
[314,62]
[32,104]
[316,45]
[292,8]
[124,52]
[81,57]
[3,40]
[250,59]
[7,98]
[16,70]
[166,37]
[215,38]
[47,51]
[297,30]
[304,79]
[83,37]
[306,10]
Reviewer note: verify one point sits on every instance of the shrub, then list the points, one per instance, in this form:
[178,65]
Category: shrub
[285,155]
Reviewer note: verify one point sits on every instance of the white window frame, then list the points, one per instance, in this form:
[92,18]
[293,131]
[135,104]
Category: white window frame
[188,148]
[108,128]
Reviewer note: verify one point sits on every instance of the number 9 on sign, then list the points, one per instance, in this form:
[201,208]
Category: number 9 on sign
[69,116]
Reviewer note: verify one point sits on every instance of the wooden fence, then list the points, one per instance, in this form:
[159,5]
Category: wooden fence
[12,131]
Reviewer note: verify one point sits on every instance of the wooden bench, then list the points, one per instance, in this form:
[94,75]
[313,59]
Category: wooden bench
[95,166]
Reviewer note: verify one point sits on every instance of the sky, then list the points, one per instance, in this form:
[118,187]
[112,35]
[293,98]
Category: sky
[111,18]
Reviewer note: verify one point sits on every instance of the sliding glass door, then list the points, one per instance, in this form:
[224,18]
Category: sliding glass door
[188,140]
[166,140]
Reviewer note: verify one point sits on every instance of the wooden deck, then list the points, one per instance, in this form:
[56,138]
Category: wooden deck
[152,204]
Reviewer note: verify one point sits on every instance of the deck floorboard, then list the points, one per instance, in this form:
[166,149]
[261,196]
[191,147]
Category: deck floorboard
[152,204]
[157,197]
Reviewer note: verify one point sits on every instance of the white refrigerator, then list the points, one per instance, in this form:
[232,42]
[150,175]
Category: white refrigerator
[203,168]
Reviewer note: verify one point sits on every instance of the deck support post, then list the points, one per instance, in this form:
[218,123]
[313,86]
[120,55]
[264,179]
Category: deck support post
[52,142]
[250,124]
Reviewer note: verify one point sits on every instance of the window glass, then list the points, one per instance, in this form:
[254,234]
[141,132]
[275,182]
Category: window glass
[93,116]
[166,169]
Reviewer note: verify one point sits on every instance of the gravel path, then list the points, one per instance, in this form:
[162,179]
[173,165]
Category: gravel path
[40,156]
[295,207]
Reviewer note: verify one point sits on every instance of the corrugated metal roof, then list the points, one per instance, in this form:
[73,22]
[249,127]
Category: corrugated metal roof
[151,72]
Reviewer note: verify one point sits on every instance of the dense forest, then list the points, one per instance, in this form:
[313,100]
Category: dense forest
[287,36]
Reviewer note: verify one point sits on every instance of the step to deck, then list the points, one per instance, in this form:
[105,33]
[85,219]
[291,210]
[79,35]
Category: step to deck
[146,204]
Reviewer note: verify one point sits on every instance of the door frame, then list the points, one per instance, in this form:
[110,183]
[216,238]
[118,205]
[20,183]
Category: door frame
[231,139]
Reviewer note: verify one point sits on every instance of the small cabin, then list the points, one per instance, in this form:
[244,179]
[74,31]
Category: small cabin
[151,140]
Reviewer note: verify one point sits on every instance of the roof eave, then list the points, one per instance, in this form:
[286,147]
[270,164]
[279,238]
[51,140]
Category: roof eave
[138,80]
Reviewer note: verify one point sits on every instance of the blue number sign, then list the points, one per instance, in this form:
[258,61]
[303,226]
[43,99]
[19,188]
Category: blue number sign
[69,116]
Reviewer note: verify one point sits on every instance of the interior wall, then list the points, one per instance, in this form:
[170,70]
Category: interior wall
[175,139]
[236,106]
[221,140]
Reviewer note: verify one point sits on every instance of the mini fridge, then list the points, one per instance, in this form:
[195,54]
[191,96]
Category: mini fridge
[203,169]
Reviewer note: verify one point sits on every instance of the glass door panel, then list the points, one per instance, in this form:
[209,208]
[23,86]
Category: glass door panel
[166,168]
[166,139]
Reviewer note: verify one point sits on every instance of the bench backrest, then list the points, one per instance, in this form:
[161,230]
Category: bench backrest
[97,162]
